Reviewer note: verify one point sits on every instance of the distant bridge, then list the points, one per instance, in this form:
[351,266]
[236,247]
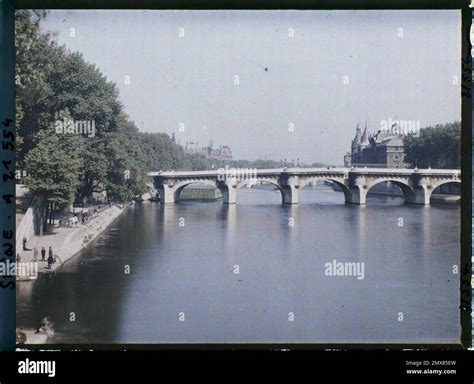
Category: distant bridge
[417,185]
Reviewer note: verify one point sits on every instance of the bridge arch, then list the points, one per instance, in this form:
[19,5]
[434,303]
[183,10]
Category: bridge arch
[409,194]
[436,185]
[253,182]
[339,183]
[178,187]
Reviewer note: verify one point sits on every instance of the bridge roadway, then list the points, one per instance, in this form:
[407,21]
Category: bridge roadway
[417,185]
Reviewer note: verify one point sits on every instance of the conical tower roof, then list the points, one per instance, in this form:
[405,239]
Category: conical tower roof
[356,140]
[365,139]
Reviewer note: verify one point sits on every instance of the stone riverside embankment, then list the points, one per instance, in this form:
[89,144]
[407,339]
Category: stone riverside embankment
[66,242]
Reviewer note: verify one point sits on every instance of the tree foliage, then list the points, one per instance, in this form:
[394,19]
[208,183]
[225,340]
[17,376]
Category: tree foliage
[54,83]
[435,147]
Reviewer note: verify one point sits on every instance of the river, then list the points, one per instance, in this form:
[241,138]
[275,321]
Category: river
[183,285]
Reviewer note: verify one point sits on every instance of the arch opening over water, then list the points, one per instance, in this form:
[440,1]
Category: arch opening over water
[327,191]
[269,190]
[447,192]
[389,192]
[198,191]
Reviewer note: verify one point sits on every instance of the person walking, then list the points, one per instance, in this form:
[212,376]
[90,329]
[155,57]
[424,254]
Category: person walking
[35,254]
[43,254]
[50,258]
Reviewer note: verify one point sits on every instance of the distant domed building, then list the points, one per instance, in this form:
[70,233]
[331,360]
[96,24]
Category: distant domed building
[384,149]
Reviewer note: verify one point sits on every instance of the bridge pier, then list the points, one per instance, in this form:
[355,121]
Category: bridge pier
[357,195]
[290,194]
[167,194]
[229,194]
[420,195]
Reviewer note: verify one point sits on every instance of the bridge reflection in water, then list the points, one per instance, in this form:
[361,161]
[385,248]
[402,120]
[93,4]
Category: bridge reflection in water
[417,185]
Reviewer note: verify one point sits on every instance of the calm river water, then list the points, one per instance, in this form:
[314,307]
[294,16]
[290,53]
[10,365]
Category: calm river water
[183,285]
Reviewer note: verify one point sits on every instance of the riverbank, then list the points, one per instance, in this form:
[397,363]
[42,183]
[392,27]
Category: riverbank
[446,198]
[439,198]
[67,242]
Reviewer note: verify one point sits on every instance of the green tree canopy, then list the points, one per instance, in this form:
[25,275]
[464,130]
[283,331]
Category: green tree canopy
[438,147]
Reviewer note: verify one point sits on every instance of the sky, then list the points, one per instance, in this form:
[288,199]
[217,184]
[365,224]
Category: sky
[273,84]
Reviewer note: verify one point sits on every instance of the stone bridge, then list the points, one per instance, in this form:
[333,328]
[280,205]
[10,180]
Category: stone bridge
[417,185]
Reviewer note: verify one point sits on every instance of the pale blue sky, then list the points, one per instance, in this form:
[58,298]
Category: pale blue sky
[400,65]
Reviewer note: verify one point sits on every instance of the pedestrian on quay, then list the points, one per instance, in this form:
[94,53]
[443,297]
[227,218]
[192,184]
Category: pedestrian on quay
[35,254]
[43,254]
[50,259]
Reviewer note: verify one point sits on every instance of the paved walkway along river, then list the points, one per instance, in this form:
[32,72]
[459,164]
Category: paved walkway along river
[66,242]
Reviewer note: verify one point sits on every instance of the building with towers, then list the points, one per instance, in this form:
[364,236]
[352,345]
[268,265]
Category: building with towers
[222,153]
[384,149]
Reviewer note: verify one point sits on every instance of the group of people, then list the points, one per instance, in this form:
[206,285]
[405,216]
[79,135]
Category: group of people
[50,259]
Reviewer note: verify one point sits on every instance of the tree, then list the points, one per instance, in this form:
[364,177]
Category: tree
[53,168]
[53,79]
[436,147]
[35,58]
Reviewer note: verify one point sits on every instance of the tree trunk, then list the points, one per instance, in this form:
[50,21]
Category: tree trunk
[40,213]
[45,217]
[51,208]
[87,188]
